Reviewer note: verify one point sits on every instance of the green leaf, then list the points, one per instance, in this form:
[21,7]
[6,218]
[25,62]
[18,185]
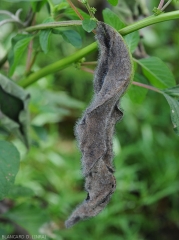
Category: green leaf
[69,12]
[112,19]
[70,36]
[44,39]
[14,108]
[40,133]
[154,197]
[137,94]
[6,228]
[132,40]
[113,2]
[88,24]
[173,92]
[172,97]
[29,216]
[20,191]
[9,166]
[157,72]
[22,0]
[58,107]
[44,36]
[19,45]
[37,5]
[61,6]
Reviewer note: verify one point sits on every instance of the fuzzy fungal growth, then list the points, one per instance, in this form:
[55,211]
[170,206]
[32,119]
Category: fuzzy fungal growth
[95,129]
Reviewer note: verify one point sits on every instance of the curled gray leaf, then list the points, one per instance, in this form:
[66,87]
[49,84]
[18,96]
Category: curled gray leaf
[95,129]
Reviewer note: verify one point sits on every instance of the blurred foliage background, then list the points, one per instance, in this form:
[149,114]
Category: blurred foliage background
[49,184]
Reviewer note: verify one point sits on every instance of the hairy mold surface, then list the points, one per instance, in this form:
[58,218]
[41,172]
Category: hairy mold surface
[95,129]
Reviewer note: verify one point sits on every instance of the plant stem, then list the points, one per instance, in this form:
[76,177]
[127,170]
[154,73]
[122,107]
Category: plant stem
[149,21]
[146,86]
[89,63]
[30,63]
[89,70]
[75,9]
[134,83]
[27,72]
[161,4]
[88,8]
[124,31]
[53,25]
[59,65]
[29,55]
[166,5]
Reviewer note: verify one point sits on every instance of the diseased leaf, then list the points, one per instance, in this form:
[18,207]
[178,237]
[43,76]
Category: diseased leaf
[137,94]
[113,2]
[88,24]
[9,166]
[14,108]
[19,45]
[172,97]
[98,122]
[157,72]
[112,19]
[70,36]
[132,40]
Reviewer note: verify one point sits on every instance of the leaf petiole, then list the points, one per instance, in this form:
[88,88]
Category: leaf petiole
[166,5]
[146,86]
[161,4]
[75,9]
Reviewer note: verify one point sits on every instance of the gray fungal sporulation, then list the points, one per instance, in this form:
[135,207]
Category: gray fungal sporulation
[96,128]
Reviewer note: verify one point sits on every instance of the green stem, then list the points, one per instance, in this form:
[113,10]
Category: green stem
[89,9]
[124,31]
[166,5]
[51,6]
[75,9]
[53,25]
[59,65]
[149,21]
[161,4]
[146,86]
